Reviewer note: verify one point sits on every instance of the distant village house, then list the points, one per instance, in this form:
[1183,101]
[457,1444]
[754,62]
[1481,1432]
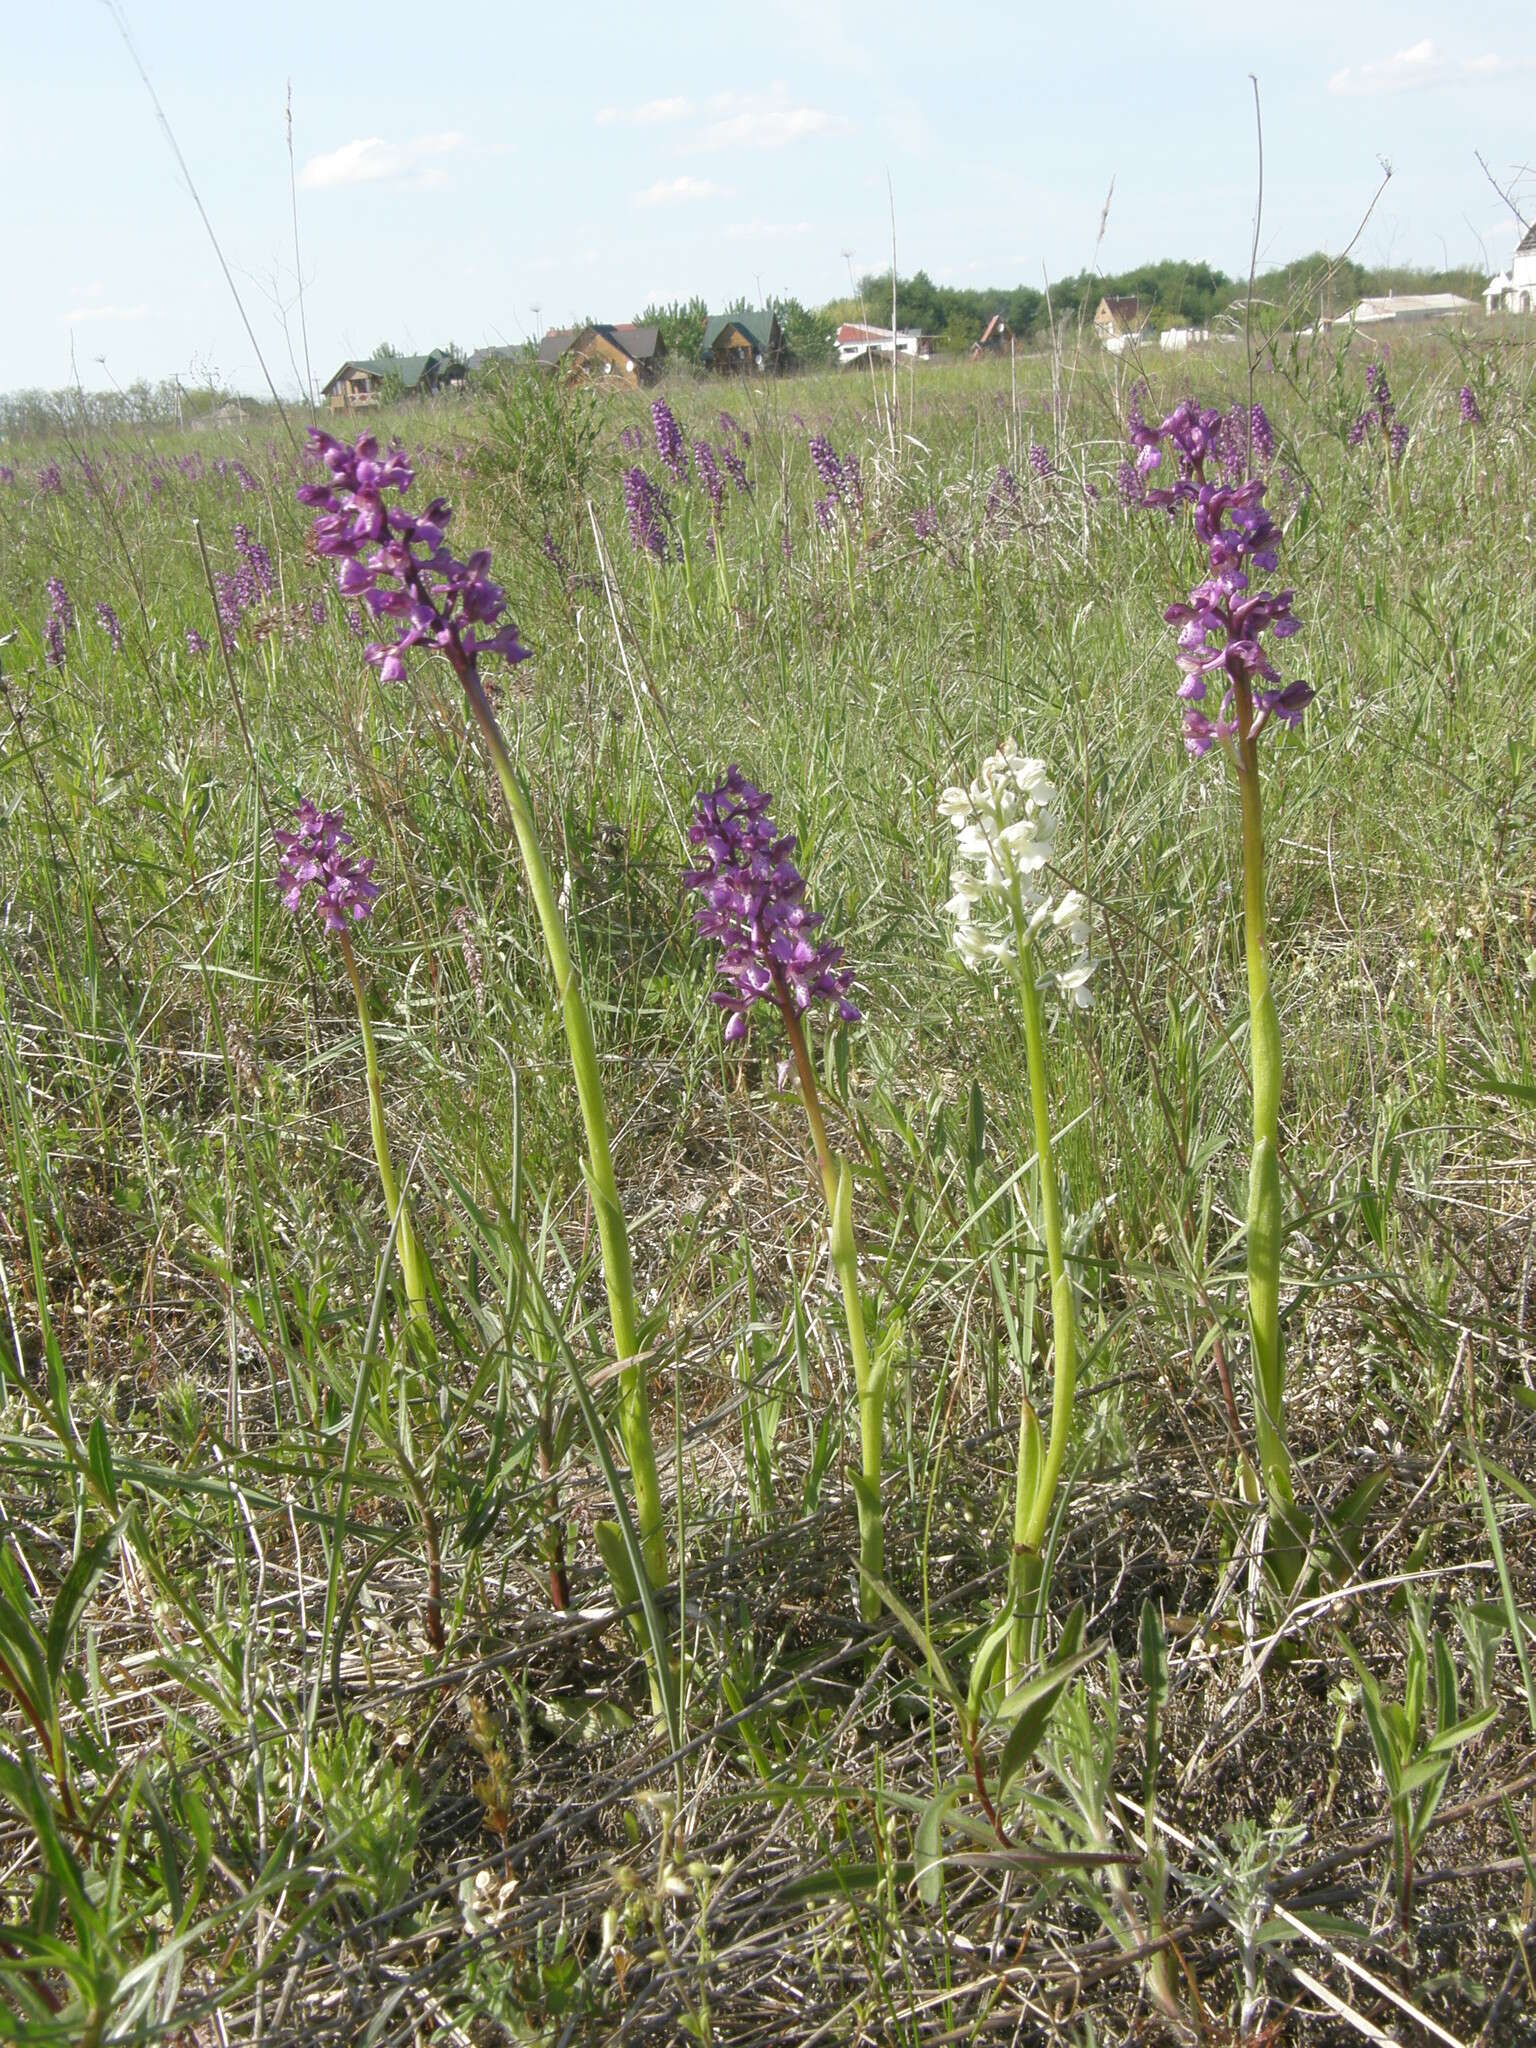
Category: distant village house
[856,342]
[1514,290]
[1118,322]
[359,385]
[496,358]
[604,349]
[744,343]
[993,335]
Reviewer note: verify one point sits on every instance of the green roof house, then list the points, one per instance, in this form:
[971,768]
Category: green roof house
[744,343]
[361,384]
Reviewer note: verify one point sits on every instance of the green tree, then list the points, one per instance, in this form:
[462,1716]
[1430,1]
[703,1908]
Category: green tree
[682,324]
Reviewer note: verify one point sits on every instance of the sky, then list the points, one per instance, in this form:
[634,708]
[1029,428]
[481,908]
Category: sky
[477,174]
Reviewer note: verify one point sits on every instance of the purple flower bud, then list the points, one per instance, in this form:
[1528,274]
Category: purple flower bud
[753,899]
[109,623]
[196,644]
[1040,462]
[925,522]
[1470,414]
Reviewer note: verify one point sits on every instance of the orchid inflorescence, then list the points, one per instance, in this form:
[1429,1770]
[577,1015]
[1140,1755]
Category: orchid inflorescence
[1197,436]
[754,908]
[670,445]
[842,477]
[1004,842]
[398,563]
[314,858]
[650,515]
[61,621]
[1222,623]
[1379,411]
[1003,500]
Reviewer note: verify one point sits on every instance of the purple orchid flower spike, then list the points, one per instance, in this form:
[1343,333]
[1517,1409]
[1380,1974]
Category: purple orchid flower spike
[670,445]
[754,908]
[314,858]
[1221,625]
[649,514]
[398,562]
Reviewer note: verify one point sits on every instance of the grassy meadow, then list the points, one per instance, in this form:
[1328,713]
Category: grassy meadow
[321,1721]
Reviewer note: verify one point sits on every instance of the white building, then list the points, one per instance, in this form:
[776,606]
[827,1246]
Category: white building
[1177,339]
[1514,290]
[855,342]
[1398,306]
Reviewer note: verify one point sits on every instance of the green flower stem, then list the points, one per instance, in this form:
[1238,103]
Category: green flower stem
[618,1276]
[1030,1524]
[1265,1210]
[868,1379]
[412,1262]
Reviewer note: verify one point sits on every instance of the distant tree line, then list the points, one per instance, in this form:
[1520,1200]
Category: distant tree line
[37,414]
[1170,294]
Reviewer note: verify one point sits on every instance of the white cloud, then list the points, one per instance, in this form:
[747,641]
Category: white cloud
[96,311]
[763,120]
[1421,64]
[766,230]
[673,191]
[370,160]
[646,115]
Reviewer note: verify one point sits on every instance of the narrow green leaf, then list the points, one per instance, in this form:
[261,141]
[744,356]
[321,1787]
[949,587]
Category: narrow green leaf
[98,1453]
[928,1858]
[920,1636]
[1154,1676]
[1511,1611]
[74,1596]
[984,1663]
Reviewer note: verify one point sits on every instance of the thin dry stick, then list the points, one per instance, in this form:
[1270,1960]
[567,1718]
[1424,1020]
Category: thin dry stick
[618,641]
[895,390]
[298,268]
[234,687]
[1493,181]
[1253,263]
[165,128]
